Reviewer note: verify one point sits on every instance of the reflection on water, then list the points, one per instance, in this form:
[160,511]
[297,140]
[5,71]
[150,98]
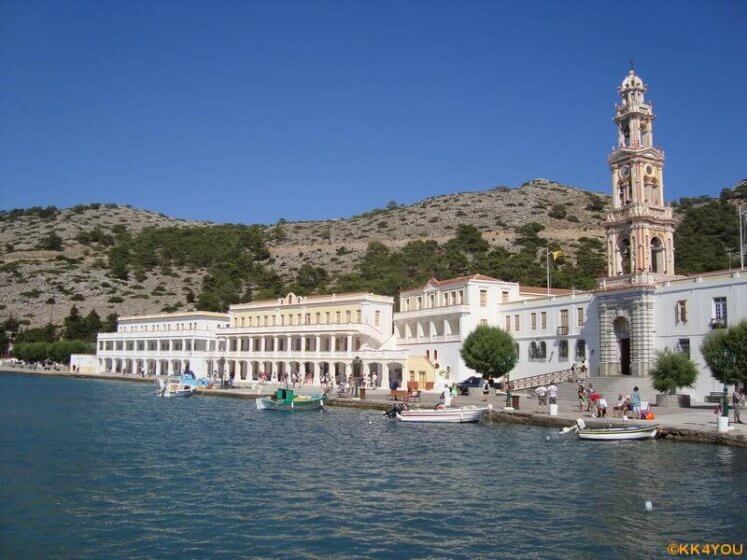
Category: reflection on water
[102,470]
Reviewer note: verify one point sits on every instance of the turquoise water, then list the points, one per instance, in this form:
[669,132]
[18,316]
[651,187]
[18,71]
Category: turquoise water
[100,469]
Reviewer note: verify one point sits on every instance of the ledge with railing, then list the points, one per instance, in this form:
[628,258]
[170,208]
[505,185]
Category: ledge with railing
[549,378]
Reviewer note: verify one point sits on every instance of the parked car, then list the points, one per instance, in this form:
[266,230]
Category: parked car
[475,381]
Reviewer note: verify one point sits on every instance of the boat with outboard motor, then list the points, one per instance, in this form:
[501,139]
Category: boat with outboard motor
[183,385]
[441,414]
[612,433]
[288,400]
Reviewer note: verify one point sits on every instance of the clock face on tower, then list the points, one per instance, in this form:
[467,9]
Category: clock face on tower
[649,170]
[624,171]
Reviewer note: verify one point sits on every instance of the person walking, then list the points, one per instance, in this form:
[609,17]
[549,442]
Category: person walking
[486,389]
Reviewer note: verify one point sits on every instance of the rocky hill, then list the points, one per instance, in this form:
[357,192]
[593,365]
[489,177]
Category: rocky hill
[52,259]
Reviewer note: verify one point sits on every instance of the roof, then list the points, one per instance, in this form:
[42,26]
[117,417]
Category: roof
[304,300]
[542,291]
[451,282]
[178,315]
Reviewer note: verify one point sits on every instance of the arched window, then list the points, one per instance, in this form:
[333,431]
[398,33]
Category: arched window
[624,255]
[427,354]
[435,354]
[657,261]
[542,350]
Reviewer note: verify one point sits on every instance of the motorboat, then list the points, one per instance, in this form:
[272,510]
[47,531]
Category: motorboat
[181,386]
[450,415]
[288,400]
[615,433]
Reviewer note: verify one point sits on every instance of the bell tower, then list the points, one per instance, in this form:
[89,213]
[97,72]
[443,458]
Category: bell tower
[639,226]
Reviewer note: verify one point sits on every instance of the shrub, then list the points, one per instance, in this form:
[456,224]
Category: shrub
[673,371]
[557,211]
[115,299]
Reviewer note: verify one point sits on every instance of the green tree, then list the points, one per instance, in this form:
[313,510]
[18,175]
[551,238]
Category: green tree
[725,353]
[110,323]
[491,352]
[74,325]
[93,325]
[47,333]
[672,371]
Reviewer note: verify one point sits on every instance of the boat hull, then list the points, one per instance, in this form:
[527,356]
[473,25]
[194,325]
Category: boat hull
[444,416]
[619,434]
[302,406]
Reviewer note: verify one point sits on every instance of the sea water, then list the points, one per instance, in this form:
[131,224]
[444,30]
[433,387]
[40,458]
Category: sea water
[101,469]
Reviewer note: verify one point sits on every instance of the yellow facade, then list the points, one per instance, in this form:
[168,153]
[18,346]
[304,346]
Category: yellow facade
[301,314]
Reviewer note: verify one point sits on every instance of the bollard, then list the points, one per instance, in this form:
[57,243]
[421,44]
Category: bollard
[553,410]
[723,424]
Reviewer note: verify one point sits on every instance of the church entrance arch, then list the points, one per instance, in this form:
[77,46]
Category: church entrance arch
[622,333]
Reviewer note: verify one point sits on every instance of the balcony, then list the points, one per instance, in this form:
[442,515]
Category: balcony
[432,311]
[562,330]
[718,323]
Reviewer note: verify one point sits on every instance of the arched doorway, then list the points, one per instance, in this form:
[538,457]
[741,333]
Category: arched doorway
[622,333]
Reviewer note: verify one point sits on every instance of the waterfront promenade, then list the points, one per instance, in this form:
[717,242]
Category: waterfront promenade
[696,424]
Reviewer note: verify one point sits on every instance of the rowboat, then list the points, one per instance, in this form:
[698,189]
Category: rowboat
[451,415]
[615,433]
[287,400]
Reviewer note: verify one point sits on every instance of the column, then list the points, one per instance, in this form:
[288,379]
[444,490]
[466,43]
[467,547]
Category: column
[385,377]
[318,346]
[289,343]
[349,347]
[315,374]
[275,345]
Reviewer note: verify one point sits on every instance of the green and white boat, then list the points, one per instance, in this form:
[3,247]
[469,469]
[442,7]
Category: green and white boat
[286,399]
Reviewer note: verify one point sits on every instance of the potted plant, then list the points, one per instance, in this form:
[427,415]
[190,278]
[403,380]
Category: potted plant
[673,371]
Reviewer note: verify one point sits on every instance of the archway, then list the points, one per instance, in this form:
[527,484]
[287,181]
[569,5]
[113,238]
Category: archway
[657,259]
[395,374]
[623,249]
[622,333]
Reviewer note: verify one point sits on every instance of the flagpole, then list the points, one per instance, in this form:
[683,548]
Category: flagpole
[547,263]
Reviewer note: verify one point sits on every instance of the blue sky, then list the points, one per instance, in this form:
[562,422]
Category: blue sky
[239,111]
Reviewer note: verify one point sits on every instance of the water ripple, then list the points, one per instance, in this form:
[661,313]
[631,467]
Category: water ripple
[101,470]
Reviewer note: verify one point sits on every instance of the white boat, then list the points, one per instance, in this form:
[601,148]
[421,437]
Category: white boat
[175,387]
[615,433]
[452,415]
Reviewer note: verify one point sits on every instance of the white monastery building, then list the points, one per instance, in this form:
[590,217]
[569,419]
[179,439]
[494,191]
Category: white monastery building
[641,307]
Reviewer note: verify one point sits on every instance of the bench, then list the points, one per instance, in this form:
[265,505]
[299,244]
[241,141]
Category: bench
[714,397]
[395,394]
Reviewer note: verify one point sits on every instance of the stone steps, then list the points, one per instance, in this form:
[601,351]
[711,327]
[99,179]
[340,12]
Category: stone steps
[610,387]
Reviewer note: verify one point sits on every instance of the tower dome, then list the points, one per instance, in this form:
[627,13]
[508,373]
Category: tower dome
[632,82]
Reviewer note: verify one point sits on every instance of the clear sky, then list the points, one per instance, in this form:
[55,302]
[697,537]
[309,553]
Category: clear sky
[239,111]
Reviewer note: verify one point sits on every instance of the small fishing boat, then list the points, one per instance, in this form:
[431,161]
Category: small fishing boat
[451,415]
[182,386]
[615,433]
[286,399]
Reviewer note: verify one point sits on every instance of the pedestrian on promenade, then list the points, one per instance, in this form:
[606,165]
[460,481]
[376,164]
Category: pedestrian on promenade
[374,381]
[589,393]
[541,393]
[581,397]
[552,393]
[738,402]
[635,401]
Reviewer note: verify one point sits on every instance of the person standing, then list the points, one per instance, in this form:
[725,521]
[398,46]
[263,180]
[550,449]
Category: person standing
[635,401]
[541,393]
[485,388]
[581,392]
[552,393]
[446,397]
[738,402]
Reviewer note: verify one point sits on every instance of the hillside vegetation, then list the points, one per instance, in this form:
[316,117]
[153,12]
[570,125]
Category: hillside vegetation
[120,260]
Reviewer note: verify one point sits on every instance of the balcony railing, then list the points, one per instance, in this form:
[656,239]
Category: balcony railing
[430,311]
[718,323]
[562,330]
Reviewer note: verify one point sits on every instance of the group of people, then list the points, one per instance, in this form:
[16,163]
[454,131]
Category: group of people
[594,402]
[545,394]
